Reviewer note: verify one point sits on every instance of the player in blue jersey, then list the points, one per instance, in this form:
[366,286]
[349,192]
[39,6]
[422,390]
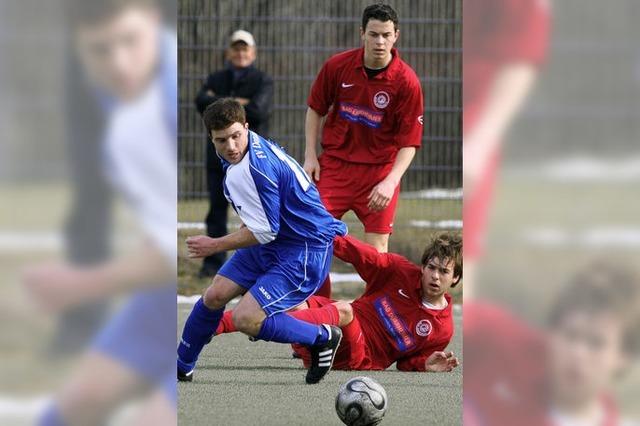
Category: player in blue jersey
[283,252]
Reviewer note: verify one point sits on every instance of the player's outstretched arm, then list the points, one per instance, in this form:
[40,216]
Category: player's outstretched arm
[203,246]
[364,257]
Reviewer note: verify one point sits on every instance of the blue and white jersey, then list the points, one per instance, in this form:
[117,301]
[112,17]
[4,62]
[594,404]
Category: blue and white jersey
[275,198]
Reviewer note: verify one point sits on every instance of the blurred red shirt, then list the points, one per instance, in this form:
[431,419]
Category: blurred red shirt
[496,33]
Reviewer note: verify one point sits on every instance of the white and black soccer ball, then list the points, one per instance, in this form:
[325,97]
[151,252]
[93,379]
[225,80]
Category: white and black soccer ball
[361,401]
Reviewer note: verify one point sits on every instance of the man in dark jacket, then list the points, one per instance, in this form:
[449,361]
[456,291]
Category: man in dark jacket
[254,90]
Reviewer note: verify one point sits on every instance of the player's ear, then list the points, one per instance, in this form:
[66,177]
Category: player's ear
[456,281]
[362,33]
[246,125]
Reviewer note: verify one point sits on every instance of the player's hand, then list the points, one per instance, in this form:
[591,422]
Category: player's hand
[381,195]
[210,93]
[312,168]
[202,246]
[56,287]
[243,101]
[440,362]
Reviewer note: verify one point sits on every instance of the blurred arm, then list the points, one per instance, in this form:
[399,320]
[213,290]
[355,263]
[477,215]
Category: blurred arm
[59,286]
[509,91]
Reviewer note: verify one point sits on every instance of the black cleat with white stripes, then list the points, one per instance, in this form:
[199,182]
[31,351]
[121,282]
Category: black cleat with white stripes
[322,356]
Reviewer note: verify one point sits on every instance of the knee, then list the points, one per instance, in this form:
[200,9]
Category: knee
[345,311]
[84,403]
[247,321]
[213,297]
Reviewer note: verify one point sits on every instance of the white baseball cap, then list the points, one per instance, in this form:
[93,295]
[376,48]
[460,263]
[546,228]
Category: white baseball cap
[242,35]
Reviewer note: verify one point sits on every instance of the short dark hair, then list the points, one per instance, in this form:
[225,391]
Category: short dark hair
[83,12]
[603,288]
[222,114]
[381,12]
[446,246]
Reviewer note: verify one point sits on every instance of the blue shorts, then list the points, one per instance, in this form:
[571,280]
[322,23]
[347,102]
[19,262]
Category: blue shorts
[279,276]
[142,336]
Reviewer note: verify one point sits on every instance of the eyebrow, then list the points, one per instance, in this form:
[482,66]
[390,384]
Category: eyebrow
[445,267]
[219,139]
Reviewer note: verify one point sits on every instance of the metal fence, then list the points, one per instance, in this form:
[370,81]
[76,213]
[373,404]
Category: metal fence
[294,38]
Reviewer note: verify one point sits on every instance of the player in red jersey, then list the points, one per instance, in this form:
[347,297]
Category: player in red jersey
[516,373]
[505,43]
[404,315]
[373,105]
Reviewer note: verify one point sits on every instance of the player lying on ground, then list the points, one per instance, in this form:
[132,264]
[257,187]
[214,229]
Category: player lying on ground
[404,315]
[283,252]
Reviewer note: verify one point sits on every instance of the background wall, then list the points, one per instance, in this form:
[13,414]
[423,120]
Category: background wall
[294,39]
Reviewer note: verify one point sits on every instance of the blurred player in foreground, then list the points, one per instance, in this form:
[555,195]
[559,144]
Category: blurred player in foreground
[129,64]
[516,373]
[404,315]
[505,43]
[283,251]
[374,108]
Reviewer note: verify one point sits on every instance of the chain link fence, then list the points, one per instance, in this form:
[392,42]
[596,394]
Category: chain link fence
[294,38]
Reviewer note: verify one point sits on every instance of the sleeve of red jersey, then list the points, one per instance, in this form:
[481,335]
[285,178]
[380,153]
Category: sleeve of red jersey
[522,31]
[410,115]
[323,90]
[364,257]
[418,362]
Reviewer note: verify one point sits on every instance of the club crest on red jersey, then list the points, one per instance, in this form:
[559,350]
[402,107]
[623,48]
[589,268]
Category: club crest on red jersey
[423,328]
[381,99]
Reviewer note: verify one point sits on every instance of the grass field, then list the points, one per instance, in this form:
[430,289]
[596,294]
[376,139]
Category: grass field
[238,382]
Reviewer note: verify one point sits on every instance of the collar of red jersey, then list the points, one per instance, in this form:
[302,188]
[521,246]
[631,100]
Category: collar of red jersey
[390,71]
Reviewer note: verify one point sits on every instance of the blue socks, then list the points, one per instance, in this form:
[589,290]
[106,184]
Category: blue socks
[283,328]
[198,331]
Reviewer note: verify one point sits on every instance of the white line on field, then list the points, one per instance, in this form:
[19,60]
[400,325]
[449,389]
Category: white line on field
[599,237]
[433,194]
[436,224]
[582,168]
[26,407]
[18,241]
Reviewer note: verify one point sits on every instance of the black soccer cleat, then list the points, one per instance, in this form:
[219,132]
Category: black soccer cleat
[322,356]
[185,377]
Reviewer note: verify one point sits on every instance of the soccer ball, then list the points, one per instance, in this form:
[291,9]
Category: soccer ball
[361,401]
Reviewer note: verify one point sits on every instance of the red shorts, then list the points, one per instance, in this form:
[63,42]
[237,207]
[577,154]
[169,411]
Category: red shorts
[352,353]
[345,186]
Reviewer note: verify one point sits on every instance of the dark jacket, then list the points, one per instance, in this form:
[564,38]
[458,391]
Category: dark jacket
[252,84]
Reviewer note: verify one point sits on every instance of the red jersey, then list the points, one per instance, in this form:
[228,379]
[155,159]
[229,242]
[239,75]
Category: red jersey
[369,119]
[395,323]
[496,33]
[505,369]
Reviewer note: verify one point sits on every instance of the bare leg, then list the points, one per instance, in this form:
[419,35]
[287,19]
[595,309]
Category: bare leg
[157,411]
[248,315]
[97,388]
